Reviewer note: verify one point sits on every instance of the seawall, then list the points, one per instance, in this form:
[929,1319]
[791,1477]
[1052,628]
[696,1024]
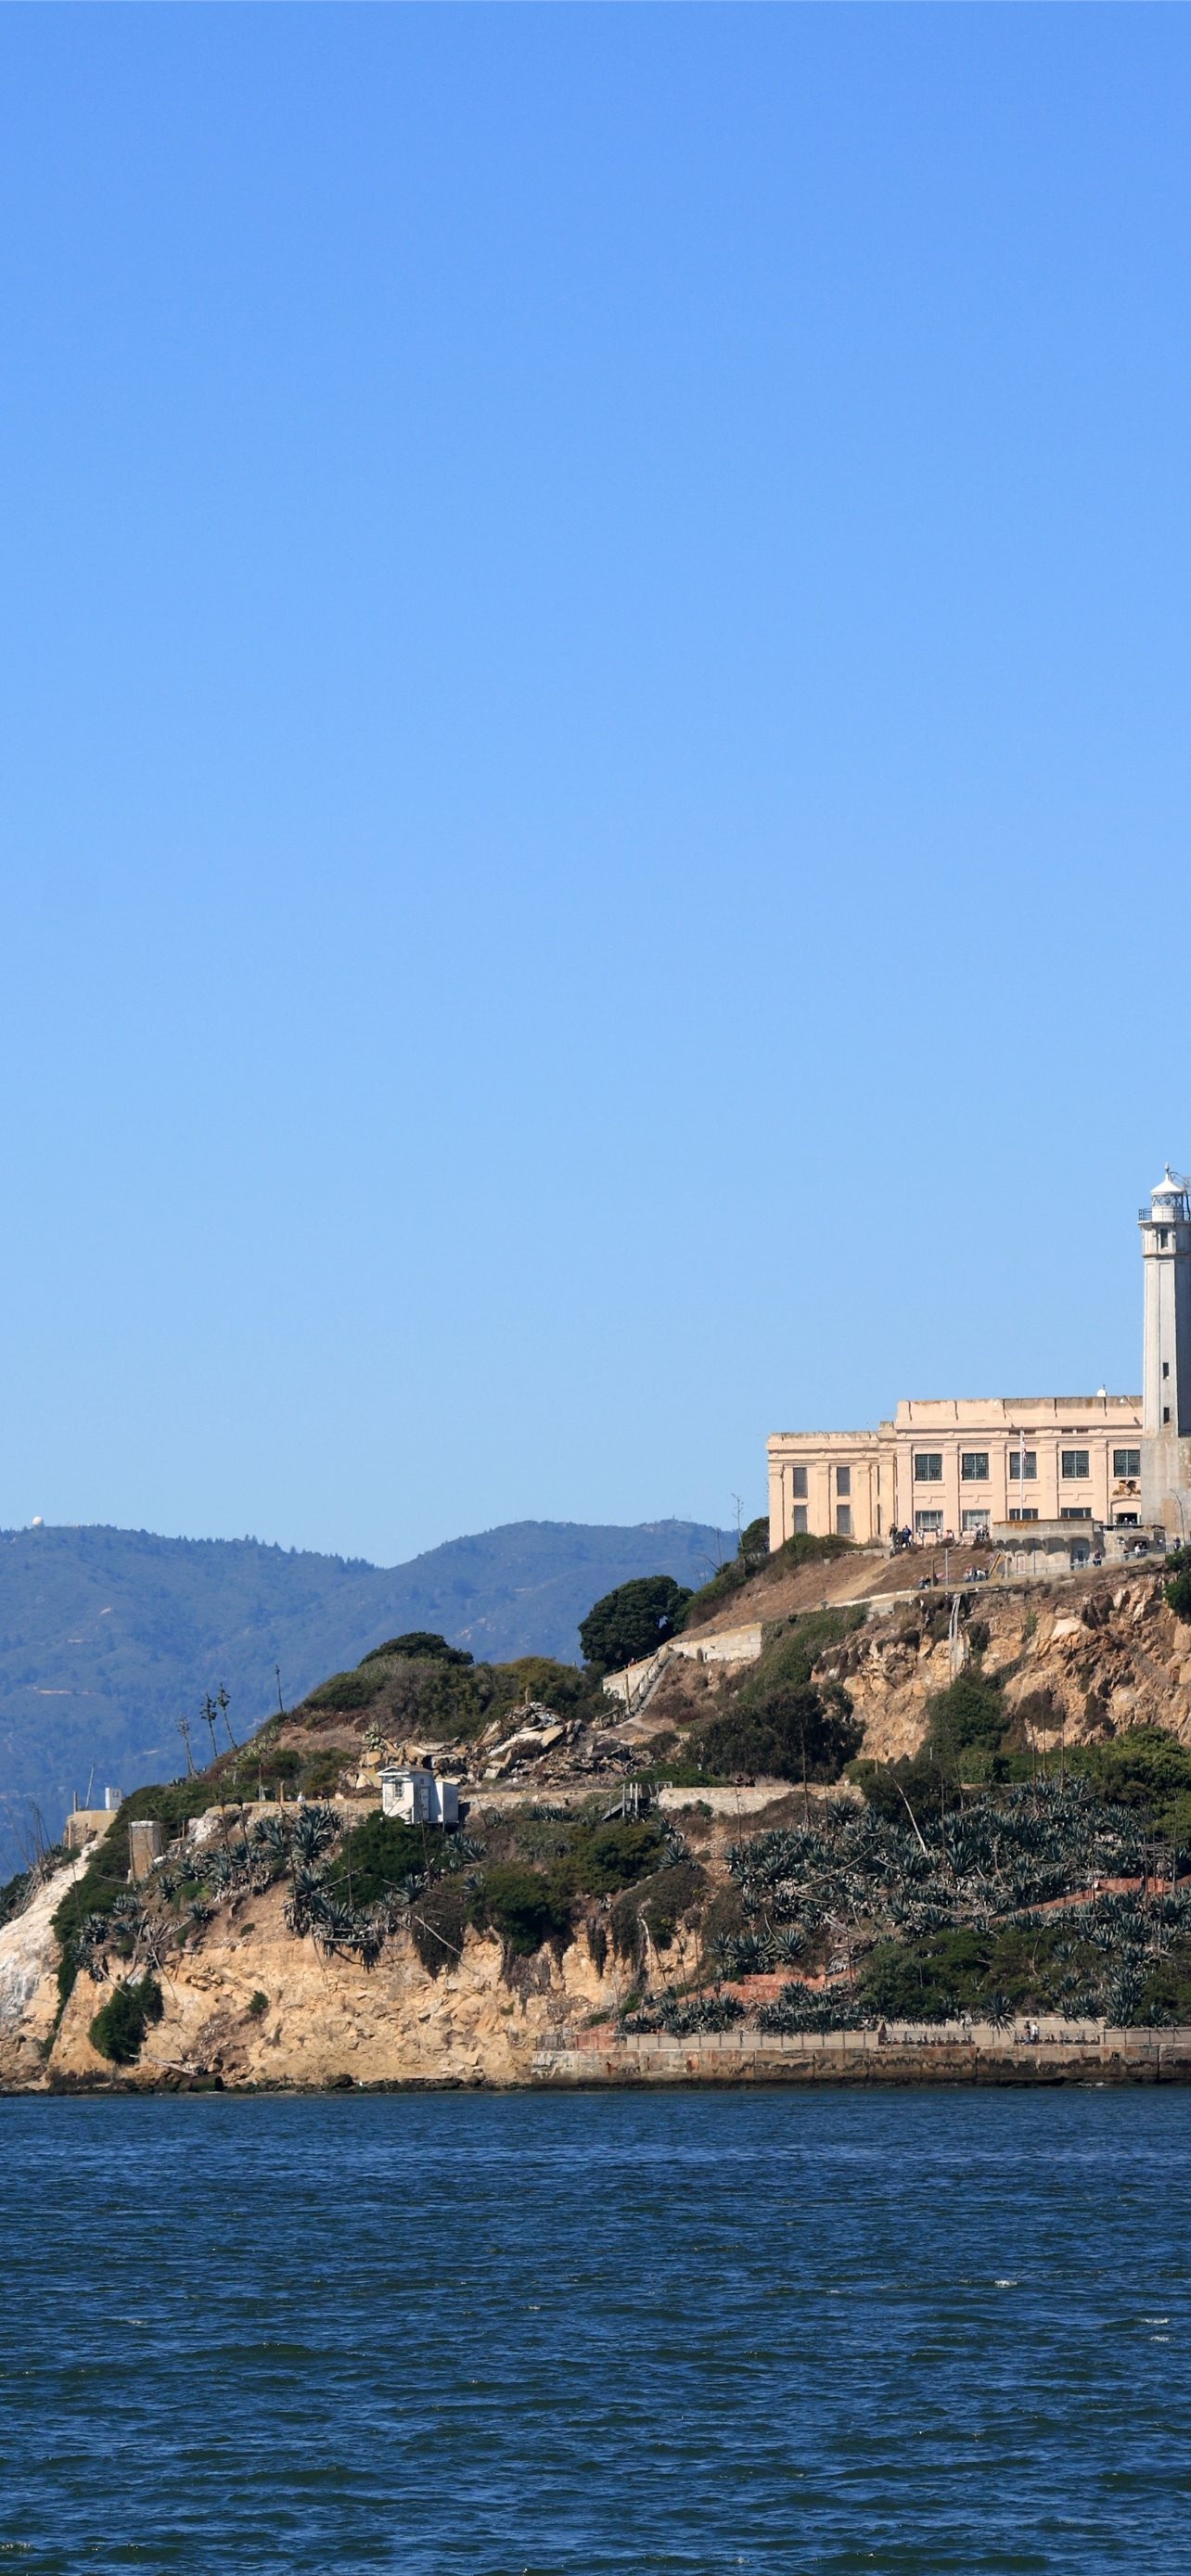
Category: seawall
[979,2056]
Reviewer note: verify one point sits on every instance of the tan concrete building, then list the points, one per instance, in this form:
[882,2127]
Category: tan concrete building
[958,1466]
[953,1466]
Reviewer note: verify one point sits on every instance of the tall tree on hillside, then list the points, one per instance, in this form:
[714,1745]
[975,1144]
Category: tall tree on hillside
[632,1621]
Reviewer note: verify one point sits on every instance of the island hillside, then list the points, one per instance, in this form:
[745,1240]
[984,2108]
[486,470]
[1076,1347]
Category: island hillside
[840,1821]
[107,1636]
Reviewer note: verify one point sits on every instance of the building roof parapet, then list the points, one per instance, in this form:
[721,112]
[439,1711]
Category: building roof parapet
[965,1409]
[854,1439]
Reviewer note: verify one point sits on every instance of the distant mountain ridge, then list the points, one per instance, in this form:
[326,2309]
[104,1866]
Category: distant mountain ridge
[108,1636]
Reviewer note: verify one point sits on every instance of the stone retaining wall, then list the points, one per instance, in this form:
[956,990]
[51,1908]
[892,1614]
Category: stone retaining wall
[985,2056]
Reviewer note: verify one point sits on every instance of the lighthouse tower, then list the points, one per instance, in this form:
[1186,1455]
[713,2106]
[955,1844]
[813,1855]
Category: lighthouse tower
[1166,1399]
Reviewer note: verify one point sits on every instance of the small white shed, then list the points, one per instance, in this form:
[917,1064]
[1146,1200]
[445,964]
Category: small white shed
[418,1796]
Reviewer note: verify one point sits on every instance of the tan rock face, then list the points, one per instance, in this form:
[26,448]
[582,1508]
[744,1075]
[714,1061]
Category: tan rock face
[1120,1654]
[325,2018]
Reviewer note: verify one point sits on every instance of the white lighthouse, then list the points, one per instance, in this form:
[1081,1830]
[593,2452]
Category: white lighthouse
[1166,1382]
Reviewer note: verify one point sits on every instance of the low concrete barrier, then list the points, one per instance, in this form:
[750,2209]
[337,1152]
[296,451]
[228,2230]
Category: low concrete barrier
[981,2055]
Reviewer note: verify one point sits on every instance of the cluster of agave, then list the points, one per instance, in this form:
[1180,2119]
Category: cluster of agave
[256,1858]
[802,2008]
[1127,1939]
[682,2016]
[757,1953]
[357,1931]
[314,1907]
[860,1878]
[989,1859]
[126,1927]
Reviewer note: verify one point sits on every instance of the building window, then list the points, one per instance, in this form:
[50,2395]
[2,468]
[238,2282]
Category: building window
[1073,1462]
[973,1466]
[1019,1467]
[843,1520]
[843,1480]
[1124,1520]
[1076,1512]
[800,1485]
[927,1524]
[1166,1368]
[1026,1515]
[799,1519]
[928,1468]
[1126,1462]
[974,1524]
[1166,1413]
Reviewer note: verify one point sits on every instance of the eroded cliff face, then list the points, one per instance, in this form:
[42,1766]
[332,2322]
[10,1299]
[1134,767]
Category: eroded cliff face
[1077,1661]
[325,2018]
[29,1984]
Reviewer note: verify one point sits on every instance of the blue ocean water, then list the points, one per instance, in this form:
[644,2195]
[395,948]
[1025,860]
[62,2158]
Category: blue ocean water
[558,2335]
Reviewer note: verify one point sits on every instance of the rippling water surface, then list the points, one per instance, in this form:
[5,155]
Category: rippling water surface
[562,2335]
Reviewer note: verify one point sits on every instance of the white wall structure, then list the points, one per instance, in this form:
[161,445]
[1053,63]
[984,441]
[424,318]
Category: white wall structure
[418,1796]
[1166,1396]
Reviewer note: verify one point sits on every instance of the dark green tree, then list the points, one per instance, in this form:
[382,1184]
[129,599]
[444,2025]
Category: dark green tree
[792,1731]
[416,1643]
[632,1621]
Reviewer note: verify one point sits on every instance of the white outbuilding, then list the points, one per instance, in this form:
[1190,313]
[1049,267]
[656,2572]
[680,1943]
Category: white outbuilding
[418,1797]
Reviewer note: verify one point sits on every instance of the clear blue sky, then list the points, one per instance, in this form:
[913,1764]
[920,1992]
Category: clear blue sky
[594,781]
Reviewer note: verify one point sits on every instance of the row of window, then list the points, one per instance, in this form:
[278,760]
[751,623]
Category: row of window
[974,1524]
[973,1465]
[974,1468]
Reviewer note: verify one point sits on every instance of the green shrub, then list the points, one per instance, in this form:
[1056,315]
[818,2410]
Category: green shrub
[665,1899]
[376,1858]
[1178,1589]
[119,2027]
[921,1784]
[969,1715]
[794,1652]
[659,1903]
[524,1907]
[614,1856]
[322,1774]
[438,1921]
[257,2006]
[1145,1769]
[346,1691]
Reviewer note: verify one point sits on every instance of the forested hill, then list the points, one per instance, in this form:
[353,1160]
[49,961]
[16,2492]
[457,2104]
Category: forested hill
[108,1636]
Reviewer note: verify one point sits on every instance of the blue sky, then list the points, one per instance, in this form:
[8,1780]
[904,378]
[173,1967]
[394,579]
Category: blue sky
[594,789]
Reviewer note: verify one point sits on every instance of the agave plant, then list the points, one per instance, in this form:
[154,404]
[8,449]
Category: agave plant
[90,1945]
[269,1836]
[313,1832]
[997,2009]
[368,1938]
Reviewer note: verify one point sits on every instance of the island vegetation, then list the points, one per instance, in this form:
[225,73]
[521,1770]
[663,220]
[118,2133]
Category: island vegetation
[979,1878]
